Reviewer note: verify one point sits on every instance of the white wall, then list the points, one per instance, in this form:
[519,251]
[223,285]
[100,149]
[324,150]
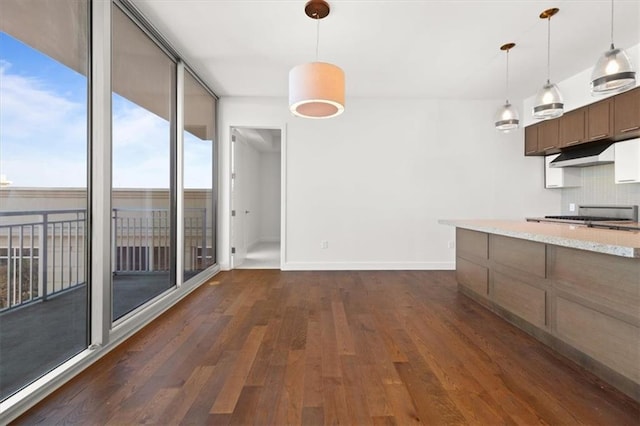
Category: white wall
[374,181]
[576,90]
[269,197]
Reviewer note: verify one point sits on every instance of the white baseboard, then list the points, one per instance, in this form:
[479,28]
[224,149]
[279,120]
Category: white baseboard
[368,266]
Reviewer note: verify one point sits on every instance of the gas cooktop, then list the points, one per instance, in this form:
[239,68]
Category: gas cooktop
[612,217]
[589,218]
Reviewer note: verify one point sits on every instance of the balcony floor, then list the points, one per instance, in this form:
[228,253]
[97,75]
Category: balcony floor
[36,338]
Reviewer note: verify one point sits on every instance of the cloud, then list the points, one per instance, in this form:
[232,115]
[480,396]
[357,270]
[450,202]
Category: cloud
[43,134]
[32,110]
[43,140]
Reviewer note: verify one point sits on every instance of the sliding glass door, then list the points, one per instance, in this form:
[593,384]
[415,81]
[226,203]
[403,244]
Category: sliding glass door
[143,204]
[43,187]
[199,215]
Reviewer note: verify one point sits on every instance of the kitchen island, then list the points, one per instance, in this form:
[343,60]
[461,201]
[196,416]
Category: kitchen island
[577,289]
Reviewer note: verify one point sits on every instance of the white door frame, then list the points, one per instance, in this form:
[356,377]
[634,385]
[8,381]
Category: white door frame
[283,192]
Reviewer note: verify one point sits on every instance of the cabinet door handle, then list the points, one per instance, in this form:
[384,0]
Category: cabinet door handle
[598,136]
[572,142]
[555,186]
[629,129]
[626,180]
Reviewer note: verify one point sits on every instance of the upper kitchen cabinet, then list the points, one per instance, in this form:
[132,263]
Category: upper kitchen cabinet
[627,164]
[600,120]
[627,114]
[560,177]
[572,128]
[542,138]
[531,140]
[549,136]
[616,119]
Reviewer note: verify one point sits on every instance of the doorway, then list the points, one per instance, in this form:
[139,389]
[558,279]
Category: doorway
[255,198]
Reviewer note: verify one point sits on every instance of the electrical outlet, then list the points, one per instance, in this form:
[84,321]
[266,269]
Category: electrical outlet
[572,207]
[324,244]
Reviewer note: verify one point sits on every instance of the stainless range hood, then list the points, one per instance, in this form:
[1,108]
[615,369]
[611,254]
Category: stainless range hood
[583,156]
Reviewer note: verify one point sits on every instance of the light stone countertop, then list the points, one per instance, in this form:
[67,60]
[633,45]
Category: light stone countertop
[615,242]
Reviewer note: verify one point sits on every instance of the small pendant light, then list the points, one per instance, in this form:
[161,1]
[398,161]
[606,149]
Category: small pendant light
[507,118]
[548,102]
[316,89]
[613,72]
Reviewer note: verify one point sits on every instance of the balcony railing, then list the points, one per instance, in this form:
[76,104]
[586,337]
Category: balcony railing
[43,253]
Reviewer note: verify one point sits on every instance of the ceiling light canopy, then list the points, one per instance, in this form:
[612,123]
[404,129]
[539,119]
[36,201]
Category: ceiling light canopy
[316,89]
[507,117]
[548,101]
[613,72]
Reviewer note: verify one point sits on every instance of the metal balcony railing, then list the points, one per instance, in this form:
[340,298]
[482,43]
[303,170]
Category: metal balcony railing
[43,253]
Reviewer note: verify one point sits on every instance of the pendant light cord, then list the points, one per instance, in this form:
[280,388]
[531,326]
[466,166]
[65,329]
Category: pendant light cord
[612,25]
[549,51]
[507,79]
[317,34]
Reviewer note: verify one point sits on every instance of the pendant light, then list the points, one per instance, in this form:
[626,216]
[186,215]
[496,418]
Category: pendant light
[548,102]
[316,89]
[507,118]
[613,72]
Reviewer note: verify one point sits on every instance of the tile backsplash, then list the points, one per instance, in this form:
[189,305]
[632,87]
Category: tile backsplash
[598,187]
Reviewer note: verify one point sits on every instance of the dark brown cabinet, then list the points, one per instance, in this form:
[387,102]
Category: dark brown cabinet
[627,114]
[614,119]
[572,128]
[549,136]
[600,120]
[531,140]
[542,138]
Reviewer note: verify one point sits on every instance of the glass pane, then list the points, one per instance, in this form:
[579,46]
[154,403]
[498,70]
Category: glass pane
[199,118]
[43,187]
[142,245]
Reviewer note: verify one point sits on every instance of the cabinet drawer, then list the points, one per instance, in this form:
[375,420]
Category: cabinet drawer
[612,281]
[472,276]
[472,243]
[606,339]
[526,256]
[524,300]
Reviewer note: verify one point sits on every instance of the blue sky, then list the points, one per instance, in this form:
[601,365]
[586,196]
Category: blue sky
[43,129]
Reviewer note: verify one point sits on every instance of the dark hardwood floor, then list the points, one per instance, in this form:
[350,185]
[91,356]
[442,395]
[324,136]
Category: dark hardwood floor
[273,348]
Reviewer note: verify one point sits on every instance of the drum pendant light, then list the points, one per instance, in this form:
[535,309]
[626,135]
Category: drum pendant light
[507,118]
[613,72]
[548,101]
[316,89]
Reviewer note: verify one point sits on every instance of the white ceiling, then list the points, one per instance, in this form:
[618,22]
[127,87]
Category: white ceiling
[394,48]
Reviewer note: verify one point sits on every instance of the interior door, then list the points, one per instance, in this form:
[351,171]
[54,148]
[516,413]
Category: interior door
[239,198]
